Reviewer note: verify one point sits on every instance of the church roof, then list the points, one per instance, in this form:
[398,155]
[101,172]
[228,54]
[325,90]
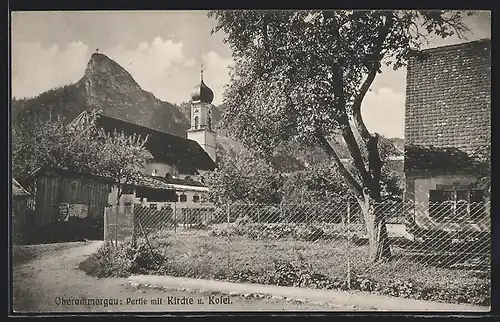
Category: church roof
[185,154]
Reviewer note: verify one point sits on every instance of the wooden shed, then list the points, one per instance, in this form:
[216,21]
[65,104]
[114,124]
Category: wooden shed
[65,196]
[20,207]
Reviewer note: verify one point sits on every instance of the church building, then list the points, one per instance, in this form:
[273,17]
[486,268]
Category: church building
[175,175]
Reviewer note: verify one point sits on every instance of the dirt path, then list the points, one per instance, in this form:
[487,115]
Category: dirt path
[49,282]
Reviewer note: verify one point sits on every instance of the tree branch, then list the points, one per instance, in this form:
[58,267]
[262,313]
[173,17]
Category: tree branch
[376,58]
[345,173]
[340,105]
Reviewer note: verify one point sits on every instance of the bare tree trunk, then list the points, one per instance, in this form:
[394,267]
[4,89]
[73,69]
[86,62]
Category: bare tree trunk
[379,247]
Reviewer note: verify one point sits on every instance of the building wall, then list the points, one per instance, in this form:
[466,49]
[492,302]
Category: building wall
[19,212]
[190,203]
[418,186]
[161,168]
[200,110]
[124,198]
[52,191]
[206,139]
[424,185]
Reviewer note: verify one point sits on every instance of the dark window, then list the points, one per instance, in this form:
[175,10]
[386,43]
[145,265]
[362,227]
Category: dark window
[477,205]
[153,206]
[456,204]
[187,178]
[196,121]
[196,198]
[127,204]
[127,190]
[476,195]
[168,176]
[440,204]
[183,198]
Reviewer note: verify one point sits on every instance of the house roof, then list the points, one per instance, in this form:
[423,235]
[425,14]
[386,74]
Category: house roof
[448,97]
[142,180]
[46,170]
[185,154]
[18,190]
[168,184]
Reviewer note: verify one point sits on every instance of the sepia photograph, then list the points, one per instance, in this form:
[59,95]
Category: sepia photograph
[176,161]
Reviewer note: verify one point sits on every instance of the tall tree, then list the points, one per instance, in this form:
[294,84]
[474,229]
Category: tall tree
[303,75]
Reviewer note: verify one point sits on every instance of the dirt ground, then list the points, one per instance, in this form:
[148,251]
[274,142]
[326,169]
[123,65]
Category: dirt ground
[51,282]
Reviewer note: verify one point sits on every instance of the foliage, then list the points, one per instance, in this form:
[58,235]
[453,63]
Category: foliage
[292,231]
[80,146]
[75,229]
[314,265]
[477,163]
[242,177]
[121,261]
[302,75]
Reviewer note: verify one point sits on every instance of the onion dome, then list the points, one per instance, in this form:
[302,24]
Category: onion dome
[202,93]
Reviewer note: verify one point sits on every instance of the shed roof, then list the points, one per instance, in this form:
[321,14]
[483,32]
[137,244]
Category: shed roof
[18,190]
[141,180]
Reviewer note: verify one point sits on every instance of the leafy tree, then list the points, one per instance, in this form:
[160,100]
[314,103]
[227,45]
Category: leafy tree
[242,177]
[303,75]
[80,146]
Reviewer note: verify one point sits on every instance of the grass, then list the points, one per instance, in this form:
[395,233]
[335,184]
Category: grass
[323,263]
[212,255]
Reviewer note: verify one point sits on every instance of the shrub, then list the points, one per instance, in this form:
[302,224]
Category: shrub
[308,233]
[122,261]
[245,220]
[262,231]
[201,261]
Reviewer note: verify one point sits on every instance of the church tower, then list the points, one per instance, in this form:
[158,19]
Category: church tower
[201,129]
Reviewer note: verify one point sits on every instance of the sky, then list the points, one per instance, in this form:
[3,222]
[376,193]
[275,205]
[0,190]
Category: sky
[164,51]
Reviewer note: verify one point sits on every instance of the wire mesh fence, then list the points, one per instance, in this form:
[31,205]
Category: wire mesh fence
[431,243]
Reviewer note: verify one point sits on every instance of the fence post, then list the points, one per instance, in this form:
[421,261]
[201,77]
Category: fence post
[348,245]
[106,232]
[116,224]
[134,227]
[175,217]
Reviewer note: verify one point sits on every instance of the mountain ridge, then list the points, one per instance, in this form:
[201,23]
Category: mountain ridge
[110,87]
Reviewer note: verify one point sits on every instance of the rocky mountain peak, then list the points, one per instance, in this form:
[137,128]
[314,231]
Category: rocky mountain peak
[104,75]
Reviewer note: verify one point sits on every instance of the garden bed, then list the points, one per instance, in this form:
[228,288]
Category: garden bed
[287,262]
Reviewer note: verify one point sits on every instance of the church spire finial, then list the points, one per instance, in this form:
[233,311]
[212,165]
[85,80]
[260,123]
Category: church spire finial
[201,73]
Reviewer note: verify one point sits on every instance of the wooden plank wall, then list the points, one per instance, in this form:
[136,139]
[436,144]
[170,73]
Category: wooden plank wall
[53,190]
